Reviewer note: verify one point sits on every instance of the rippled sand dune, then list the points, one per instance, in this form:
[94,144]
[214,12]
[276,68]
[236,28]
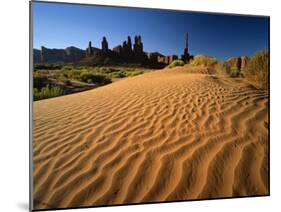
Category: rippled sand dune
[162,136]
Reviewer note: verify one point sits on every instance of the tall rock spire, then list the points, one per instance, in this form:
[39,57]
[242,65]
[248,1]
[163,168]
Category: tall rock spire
[104,44]
[186,42]
[129,42]
[186,57]
[138,46]
[89,50]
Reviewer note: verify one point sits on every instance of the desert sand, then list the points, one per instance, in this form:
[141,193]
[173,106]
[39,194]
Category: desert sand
[162,136]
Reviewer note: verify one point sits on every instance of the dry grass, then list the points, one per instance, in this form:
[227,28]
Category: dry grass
[204,60]
[176,63]
[257,70]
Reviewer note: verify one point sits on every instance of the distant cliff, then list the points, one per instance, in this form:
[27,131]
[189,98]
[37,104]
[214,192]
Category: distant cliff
[68,55]
[36,56]
[126,53]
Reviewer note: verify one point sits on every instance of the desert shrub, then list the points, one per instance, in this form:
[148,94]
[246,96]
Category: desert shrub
[67,68]
[257,69]
[67,82]
[46,67]
[122,72]
[135,73]
[94,78]
[62,76]
[36,94]
[203,60]
[119,74]
[79,67]
[46,92]
[176,63]
[222,68]
[109,70]
[73,74]
[39,80]
[51,91]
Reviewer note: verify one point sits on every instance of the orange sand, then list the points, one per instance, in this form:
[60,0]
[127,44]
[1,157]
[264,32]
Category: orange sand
[162,136]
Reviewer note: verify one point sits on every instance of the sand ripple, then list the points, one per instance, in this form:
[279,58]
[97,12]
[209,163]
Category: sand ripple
[162,136]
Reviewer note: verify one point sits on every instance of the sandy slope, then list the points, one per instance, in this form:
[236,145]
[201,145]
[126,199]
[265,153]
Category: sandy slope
[162,136]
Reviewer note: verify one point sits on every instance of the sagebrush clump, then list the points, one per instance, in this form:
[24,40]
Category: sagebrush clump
[203,60]
[46,92]
[176,63]
[39,80]
[89,77]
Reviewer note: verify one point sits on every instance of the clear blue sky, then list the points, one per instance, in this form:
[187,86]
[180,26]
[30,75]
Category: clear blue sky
[221,36]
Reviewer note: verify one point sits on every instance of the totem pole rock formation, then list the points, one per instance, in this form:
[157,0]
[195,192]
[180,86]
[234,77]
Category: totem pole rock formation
[185,57]
[124,53]
[129,42]
[127,52]
[104,45]
[138,46]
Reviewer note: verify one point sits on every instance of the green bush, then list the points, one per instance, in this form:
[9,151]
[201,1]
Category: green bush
[109,70]
[62,76]
[67,82]
[204,60]
[46,67]
[257,70]
[94,78]
[176,63]
[46,92]
[119,74]
[39,80]
[67,68]
[135,73]
[74,74]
